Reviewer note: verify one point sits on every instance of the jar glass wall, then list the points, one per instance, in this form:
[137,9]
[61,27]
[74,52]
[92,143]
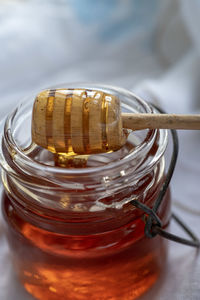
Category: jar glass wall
[73,232]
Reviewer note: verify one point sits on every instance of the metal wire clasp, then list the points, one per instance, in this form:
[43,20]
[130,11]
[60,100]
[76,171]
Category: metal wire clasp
[153,225]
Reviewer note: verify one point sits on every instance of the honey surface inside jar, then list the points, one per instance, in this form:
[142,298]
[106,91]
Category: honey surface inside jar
[77,121]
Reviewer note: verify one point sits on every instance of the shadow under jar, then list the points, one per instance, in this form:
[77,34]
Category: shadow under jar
[73,232]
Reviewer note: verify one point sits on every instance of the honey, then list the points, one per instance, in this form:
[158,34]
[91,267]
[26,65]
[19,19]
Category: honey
[73,232]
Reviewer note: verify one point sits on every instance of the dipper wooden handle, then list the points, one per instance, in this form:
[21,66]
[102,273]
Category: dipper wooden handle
[162,121]
[82,121]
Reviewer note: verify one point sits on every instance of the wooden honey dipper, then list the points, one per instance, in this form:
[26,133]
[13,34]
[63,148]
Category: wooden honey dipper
[83,121]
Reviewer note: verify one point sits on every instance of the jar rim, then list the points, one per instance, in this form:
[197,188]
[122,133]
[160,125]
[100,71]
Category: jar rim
[21,159]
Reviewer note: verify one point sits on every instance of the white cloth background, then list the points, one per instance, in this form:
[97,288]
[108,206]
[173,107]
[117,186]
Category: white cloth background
[151,47]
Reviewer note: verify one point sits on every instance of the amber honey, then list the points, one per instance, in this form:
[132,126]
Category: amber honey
[113,264]
[73,233]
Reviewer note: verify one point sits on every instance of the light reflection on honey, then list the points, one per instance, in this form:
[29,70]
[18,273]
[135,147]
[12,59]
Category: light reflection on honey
[107,283]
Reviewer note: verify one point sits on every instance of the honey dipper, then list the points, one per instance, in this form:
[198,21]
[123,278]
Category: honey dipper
[83,121]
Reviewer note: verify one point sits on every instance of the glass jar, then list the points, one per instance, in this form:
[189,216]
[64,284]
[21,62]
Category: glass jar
[73,232]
